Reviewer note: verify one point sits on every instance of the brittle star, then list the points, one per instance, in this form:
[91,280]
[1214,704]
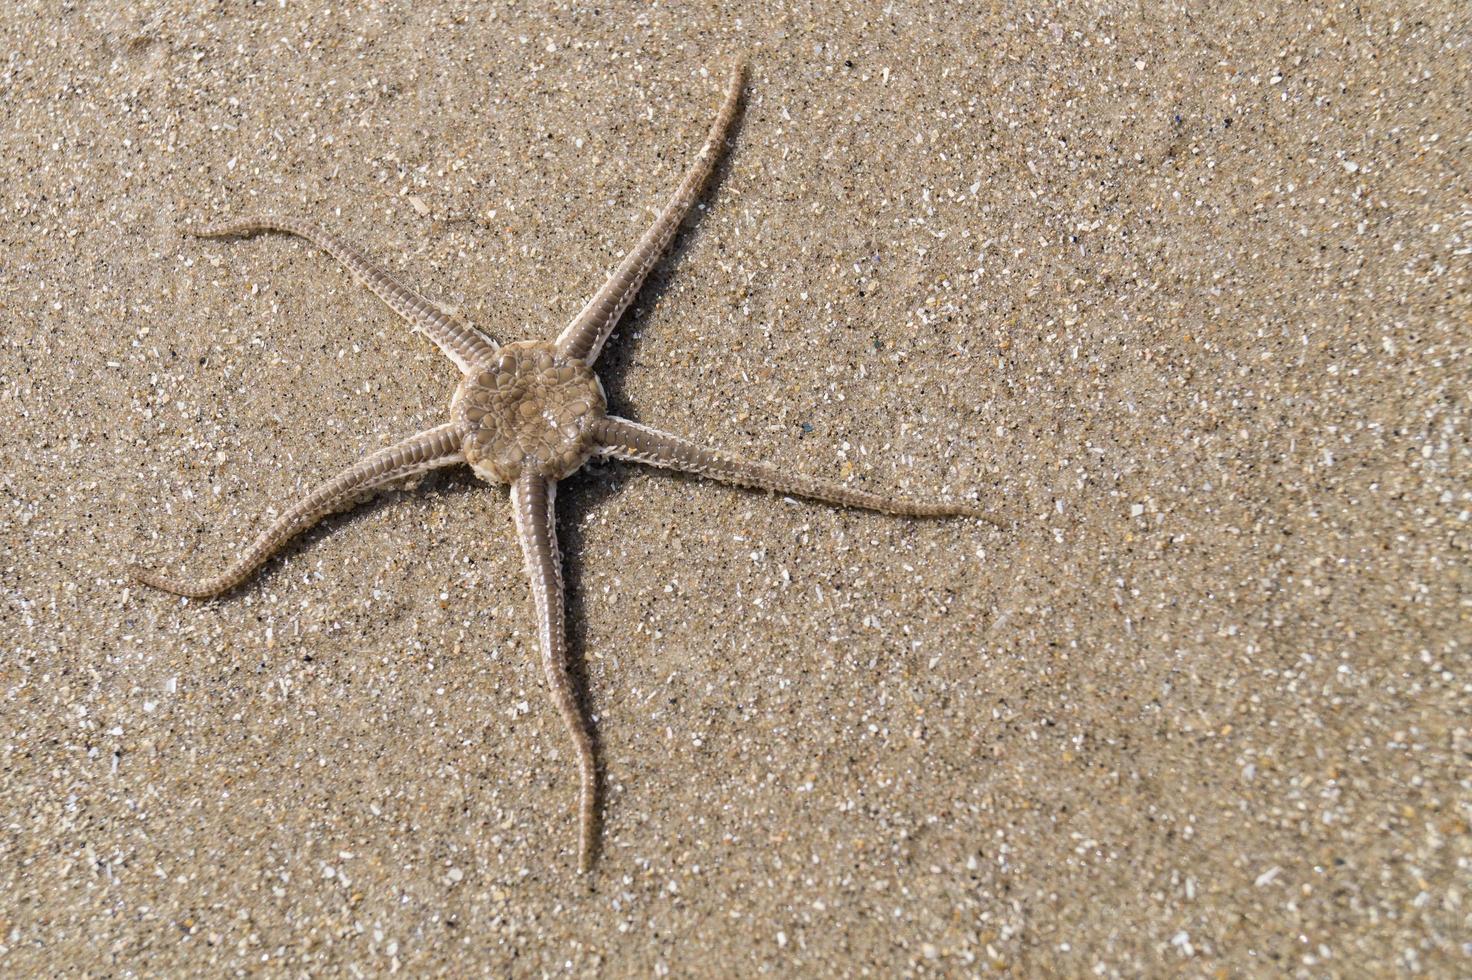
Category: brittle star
[529,414]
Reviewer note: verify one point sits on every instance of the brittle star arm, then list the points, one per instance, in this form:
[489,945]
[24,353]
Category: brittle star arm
[532,501]
[419,453]
[456,339]
[623,439]
[584,336]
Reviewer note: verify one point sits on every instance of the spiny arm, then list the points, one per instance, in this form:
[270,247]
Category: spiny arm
[627,440]
[532,501]
[584,336]
[428,450]
[457,340]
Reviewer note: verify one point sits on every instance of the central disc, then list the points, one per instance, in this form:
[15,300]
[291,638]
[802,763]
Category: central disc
[528,410]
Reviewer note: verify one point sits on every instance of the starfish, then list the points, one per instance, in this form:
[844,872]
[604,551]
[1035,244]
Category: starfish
[529,414]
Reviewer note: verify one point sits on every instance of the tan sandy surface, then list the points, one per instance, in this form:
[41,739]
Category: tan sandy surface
[1186,295]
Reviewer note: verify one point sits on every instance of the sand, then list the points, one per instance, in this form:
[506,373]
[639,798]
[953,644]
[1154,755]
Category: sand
[1184,295]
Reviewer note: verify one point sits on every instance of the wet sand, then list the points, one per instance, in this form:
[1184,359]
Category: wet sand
[1186,297]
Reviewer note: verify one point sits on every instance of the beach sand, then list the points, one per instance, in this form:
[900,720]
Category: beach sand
[1184,296]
